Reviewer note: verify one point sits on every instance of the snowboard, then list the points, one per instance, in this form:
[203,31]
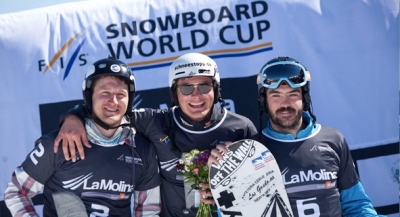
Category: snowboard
[248,182]
[69,205]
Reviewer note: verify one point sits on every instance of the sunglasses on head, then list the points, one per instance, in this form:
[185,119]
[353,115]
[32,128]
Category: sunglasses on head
[271,76]
[188,89]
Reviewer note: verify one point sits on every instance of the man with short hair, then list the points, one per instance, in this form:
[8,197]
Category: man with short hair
[315,161]
[118,165]
[195,122]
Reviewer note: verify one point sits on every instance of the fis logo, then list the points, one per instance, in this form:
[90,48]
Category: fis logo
[44,65]
[314,148]
[126,159]
[165,140]
[120,158]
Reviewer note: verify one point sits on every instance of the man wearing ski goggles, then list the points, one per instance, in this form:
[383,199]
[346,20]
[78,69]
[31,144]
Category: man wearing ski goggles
[292,133]
[188,89]
[293,73]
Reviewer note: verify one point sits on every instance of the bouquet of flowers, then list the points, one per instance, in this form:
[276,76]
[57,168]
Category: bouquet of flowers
[194,167]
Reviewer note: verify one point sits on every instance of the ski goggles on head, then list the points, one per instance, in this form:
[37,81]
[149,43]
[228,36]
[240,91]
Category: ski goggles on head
[188,89]
[294,74]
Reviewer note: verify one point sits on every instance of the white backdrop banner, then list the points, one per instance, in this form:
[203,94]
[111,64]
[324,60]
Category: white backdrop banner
[350,47]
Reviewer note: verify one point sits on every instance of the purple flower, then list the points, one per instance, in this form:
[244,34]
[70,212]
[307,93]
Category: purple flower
[203,157]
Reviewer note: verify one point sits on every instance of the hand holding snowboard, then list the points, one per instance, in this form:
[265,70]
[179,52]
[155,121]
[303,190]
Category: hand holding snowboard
[248,182]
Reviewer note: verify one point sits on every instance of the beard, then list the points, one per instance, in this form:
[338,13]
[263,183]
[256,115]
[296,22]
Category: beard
[286,123]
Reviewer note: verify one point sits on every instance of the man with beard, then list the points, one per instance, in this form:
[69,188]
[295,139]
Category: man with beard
[315,161]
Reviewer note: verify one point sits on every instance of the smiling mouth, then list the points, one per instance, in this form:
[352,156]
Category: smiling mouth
[111,110]
[196,105]
[285,113]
